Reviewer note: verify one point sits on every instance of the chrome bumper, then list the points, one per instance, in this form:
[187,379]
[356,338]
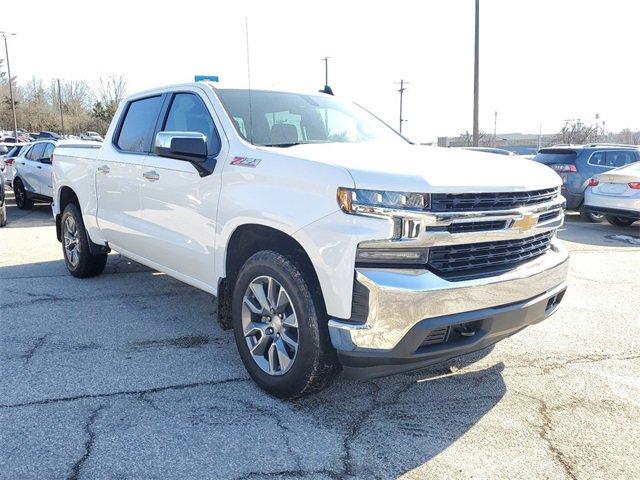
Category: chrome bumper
[399,299]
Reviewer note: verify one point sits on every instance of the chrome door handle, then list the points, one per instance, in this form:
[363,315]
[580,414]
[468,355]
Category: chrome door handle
[151,175]
[104,169]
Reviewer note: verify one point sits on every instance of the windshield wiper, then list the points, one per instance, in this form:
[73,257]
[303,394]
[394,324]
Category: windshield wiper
[282,145]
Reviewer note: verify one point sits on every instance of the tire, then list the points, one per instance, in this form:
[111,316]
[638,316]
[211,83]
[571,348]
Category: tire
[619,221]
[314,363]
[3,215]
[590,216]
[22,197]
[82,263]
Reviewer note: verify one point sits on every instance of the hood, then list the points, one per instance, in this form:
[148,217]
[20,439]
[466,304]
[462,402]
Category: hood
[418,168]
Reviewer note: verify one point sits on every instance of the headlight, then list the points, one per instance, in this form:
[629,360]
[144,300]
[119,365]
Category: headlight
[371,254]
[356,201]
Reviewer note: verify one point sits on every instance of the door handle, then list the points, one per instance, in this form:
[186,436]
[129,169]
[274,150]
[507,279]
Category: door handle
[151,175]
[38,166]
[104,169]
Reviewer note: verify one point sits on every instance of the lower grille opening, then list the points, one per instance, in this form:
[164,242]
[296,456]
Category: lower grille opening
[554,301]
[451,333]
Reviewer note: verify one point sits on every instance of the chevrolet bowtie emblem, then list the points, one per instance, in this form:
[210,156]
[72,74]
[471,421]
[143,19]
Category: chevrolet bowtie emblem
[527,222]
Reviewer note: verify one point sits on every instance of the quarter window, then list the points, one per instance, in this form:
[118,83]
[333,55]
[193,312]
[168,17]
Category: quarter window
[189,114]
[139,124]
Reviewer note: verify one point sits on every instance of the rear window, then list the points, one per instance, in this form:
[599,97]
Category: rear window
[138,125]
[556,155]
[14,151]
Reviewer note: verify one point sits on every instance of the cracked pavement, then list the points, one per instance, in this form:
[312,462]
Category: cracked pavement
[128,376]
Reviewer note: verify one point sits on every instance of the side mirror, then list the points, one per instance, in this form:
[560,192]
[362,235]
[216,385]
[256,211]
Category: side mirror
[188,146]
[46,160]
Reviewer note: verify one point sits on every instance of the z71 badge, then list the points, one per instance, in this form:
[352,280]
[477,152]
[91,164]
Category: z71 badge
[245,162]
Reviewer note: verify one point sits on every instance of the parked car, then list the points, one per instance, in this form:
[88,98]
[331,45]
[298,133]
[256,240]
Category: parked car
[330,241]
[576,164]
[32,174]
[498,151]
[48,135]
[94,136]
[616,195]
[7,163]
[3,207]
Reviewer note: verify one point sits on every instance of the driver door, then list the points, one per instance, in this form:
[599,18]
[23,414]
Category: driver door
[179,203]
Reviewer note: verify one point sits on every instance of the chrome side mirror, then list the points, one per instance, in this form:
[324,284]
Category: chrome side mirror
[188,146]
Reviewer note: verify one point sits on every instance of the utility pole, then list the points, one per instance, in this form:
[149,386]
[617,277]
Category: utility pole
[13,103]
[476,77]
[401,90]
[495,124]
[60,102]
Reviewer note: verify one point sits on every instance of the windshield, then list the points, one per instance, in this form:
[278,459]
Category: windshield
[282,119]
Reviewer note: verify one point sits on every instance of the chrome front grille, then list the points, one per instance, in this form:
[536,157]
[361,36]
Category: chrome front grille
[473,202]
[487,258]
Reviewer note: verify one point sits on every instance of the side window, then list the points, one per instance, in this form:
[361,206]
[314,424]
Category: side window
[48,151]
[189,114]
[620,158]
[36,152]
[138,125]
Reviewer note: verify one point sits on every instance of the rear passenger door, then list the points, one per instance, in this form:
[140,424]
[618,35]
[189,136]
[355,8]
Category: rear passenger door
[119,175]
[179,203]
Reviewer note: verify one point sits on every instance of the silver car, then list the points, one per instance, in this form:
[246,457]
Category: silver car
[616,194]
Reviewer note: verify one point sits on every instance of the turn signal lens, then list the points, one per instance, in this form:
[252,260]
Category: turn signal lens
[345,200]
[593,182]
[634,185]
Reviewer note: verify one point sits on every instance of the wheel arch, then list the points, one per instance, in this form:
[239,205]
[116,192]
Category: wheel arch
[65,195]
[248,239]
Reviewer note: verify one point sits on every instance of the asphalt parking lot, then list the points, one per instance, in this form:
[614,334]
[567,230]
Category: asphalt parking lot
[129,376]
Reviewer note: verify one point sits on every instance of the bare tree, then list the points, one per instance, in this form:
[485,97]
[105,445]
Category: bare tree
[576,132]
[110,91]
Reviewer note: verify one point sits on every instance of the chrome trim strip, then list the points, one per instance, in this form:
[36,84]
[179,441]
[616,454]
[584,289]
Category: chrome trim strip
[398,299]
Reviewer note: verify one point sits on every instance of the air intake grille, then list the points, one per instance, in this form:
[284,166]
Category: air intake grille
[473,202]
[439,335]
[476,226]
[477,259]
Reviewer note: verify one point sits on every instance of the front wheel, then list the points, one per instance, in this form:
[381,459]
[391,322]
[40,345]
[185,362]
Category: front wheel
[619,221]
[79,260]
[279,328]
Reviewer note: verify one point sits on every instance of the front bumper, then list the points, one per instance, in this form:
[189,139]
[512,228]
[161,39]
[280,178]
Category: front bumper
[405,307]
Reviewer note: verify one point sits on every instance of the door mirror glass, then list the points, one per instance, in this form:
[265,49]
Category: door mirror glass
[189,146]
[46,160]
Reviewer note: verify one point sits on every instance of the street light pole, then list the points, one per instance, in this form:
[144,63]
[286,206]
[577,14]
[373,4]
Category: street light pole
[13,103]
[476,79]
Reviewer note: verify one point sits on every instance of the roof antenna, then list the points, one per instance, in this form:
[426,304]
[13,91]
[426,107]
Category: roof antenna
[246,27]
[327,88]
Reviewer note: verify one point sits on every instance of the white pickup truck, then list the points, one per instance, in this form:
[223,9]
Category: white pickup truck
[330,241]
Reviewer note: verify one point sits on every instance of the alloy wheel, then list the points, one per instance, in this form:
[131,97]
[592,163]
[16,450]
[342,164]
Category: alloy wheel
[71,241]
[270,325]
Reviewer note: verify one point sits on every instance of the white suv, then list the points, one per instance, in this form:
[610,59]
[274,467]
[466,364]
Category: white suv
[32,174]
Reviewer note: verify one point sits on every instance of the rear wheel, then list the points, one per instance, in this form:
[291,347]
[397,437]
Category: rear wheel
[79,260]
[619,221]
[3,215]
[590,216]
[22,199]
[280,328]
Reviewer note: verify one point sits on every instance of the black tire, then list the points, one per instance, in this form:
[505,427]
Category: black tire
[3,215]
[315,364]
[22,197]
[590,216]
[87,264]
[619,221]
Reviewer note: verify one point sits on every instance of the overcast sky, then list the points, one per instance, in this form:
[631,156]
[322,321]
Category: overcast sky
[541,61]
